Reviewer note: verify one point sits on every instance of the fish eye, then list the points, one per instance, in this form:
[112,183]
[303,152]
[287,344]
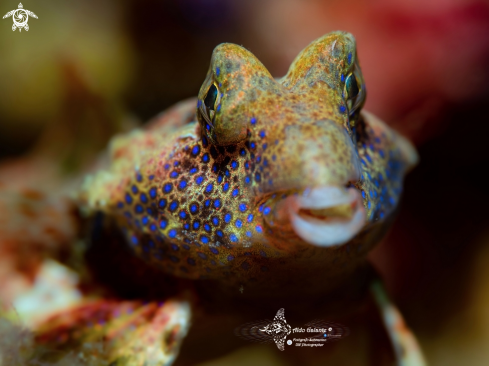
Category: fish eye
[210,98]
[351,86]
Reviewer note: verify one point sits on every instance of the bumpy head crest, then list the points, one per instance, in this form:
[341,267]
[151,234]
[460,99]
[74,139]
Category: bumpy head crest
[330,61]
[235,79]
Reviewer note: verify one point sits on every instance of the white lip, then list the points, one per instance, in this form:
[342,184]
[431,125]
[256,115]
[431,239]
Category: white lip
[332,230]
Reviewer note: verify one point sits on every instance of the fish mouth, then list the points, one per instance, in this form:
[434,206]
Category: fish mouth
[327,216]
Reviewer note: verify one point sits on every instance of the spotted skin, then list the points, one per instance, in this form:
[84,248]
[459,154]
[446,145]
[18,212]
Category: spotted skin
[199,192]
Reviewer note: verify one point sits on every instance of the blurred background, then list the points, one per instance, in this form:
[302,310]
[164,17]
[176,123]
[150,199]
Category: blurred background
[88,69]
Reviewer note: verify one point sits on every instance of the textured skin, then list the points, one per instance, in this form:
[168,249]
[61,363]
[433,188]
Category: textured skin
[204,198]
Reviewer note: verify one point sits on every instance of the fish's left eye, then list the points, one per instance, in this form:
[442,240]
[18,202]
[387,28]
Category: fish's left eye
[207,105]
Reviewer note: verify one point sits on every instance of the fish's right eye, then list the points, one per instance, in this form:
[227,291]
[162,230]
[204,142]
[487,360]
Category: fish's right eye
[211,97]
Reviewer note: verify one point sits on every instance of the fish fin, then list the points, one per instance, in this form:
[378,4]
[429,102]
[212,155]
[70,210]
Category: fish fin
[405,344]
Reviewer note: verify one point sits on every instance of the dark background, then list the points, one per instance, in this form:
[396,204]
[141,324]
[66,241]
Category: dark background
[87,69]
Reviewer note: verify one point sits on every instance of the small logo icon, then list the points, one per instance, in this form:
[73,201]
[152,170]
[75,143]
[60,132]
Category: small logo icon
[20,17]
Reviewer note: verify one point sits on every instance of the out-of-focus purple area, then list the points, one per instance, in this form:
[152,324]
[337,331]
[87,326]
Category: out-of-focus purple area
[91,69]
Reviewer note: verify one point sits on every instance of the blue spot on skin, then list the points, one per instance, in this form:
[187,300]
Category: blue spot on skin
[250,218]
[167,166]
[204,239]
[205,158]
[207,203]
[227,218]
[266,211]
[218,107]
[162,203]
[249,234]
[247,166]
[152,227]
[234,164]
[219,233]
[144,220]
[196,225]
[231,257]
[174,174]
[225,187]
[183,214]
[381,215]
[252,145]
[243,207]
[163,224]
[242,152]
[217,203]
[247,180]
[369,205]
[134,240]
[363,194]
[199,103]
[182,184]
[186,226]
[238,224]
[152,192]
[134,189]
[214,250]
[202,255]
[382,154]
[253,120]
[194,208]
[207,227]
[196,150]
[128,199]
[176,163]
[274,157]
[219,179]
[342,109]
[172,233]
[215,221]
[199,180]
[258,177]
[143,198]
[262,133]
[193,170]
[120,205]
[349,58]
[259,229]
[258,159]
[209,187]
[139,209]
[173,206]
[265,162]
[167,188]
[218,71]
[265,146]
[235,192]
[342,78]
[368,158]
[260,209]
